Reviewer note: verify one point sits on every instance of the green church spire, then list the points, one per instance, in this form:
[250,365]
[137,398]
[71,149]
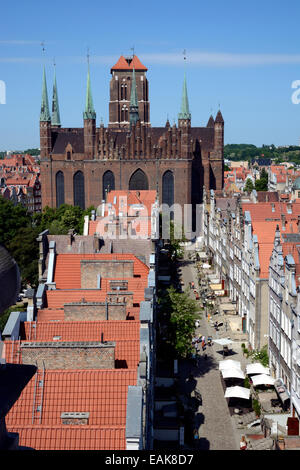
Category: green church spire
[185,111]
[89,112]
[55,120]
[134,105]
[45,115]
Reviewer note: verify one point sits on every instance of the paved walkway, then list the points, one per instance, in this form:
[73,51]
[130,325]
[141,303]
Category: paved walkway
[216,429]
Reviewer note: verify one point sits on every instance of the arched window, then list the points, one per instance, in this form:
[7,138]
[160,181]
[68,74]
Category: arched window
[124,113]
[168,188]
[138,181]
[60,189]
[108,183]
[78,182]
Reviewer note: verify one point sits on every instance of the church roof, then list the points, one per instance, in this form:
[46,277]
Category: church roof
[134,63]
[205,136]
[62,139]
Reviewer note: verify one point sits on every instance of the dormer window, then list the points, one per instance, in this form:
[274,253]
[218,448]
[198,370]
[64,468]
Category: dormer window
[68,155]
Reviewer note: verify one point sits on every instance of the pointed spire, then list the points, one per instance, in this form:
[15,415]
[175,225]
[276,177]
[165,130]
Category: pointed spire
[185,111]
[134,105]
[55,120]
[89,112]
[211,122]
[219,118]
[44,115]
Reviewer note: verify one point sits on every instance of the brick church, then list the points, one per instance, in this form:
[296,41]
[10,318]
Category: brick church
[80,165]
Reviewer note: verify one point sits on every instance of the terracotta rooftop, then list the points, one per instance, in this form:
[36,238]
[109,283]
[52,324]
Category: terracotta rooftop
[263,210]
[112,330]
[135,63]
[71,437]
[101,393]
[67,273]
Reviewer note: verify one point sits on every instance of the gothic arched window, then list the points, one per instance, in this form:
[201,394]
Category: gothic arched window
[78,181]
[138,181]
[168,188]
[60,188]
[108,183]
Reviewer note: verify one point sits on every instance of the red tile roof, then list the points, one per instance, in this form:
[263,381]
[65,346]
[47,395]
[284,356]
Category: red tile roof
[71,437]
[263,210]
[112,330]
[101,393]
[122,64]
[67,273]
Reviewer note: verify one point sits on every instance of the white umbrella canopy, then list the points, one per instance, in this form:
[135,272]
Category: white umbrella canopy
[232,373]
[257,368]
[262,379]
[206,266]
[223,341]
[237,392]
[228,363]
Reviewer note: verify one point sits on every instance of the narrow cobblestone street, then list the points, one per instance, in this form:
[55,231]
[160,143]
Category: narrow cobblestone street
[216,430]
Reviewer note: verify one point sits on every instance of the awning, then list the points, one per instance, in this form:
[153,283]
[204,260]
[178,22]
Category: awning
[237,392]
[229,363]
[215,286]
[232,373]
[223,341]
[219,292]
[257,368]
[262,379]
[202,255]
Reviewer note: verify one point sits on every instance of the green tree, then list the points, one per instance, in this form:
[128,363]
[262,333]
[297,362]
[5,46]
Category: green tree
[249,186]
[12,218]
[24,249]
[260,356]
[182,310]
[262,183]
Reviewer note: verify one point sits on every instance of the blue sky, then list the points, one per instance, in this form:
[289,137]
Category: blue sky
[241,55]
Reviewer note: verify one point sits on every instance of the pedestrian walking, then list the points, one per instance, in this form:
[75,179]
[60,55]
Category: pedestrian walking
[243,443]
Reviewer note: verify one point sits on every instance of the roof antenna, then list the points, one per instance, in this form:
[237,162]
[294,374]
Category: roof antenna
[132,49]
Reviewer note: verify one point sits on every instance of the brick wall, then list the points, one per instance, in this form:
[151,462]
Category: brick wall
[121,297]
[69,355]
[106,268]
[92,311]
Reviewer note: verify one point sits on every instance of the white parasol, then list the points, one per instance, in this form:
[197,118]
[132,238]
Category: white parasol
[262,379]
[223,341]
[228,363]
[233,373]
[257,368]
[237,392]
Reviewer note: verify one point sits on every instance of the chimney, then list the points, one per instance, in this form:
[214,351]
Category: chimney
[70,238]
[77,418]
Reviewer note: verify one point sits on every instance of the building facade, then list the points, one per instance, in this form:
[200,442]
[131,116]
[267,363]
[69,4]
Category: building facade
[80,165]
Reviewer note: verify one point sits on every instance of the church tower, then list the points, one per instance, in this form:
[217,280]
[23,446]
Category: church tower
[123,73]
